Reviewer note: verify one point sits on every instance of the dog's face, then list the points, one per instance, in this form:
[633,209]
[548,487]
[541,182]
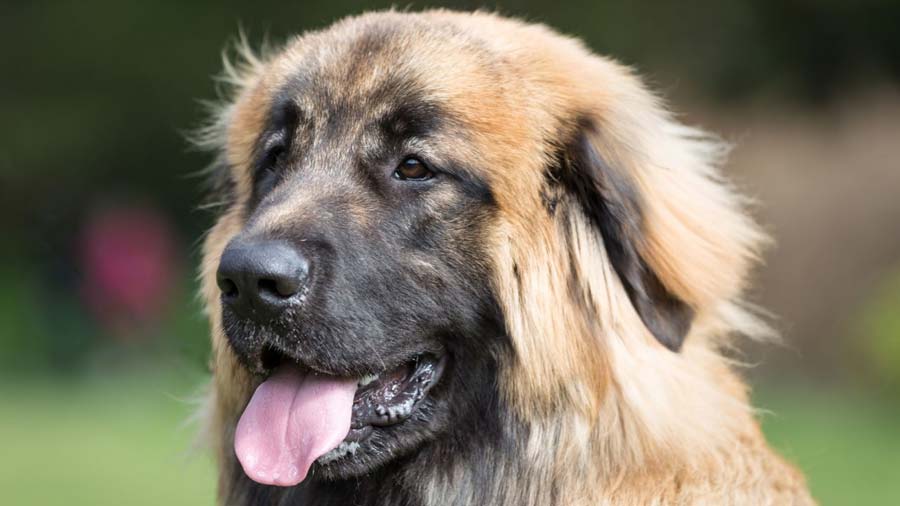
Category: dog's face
[362,243]
[425,216]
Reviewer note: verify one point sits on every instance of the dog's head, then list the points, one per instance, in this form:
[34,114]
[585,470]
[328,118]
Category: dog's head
[428,216]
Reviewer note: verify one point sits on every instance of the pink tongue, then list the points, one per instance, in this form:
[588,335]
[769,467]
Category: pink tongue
[292,419]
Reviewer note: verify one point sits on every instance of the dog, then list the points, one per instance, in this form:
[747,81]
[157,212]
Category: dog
[462,260]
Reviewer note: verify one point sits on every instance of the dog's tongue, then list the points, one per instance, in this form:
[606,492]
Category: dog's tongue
[292,419]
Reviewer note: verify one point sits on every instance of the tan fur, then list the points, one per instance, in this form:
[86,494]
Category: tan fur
[615,418]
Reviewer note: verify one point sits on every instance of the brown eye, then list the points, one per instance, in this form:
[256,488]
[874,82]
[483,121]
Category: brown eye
[412,168]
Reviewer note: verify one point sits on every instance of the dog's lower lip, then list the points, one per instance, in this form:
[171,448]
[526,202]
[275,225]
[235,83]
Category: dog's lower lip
[359,434]
[394,395]
[386,399]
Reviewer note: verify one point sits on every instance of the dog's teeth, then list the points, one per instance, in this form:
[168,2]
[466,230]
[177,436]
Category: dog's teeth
[365,380]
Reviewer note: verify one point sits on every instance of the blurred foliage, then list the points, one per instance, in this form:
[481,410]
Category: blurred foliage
[879,332]
[45,330]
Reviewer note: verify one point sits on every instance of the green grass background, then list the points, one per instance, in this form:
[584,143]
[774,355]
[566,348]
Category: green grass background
[102,441]
[125,440]
[847,442]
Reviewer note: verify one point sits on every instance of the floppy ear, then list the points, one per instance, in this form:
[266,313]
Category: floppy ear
[612,204]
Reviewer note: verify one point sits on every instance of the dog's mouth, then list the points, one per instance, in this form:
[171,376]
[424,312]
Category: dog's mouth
[298,417]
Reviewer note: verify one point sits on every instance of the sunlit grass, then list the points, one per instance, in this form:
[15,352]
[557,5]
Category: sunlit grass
[122,439]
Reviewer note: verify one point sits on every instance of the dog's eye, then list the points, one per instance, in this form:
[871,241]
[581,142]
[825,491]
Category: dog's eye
[412,169]
[267,172]
[273,157]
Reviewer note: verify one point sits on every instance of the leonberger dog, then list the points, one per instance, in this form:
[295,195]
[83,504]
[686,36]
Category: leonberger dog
[461,260]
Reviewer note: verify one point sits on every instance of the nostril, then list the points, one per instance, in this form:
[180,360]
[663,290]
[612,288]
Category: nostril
[228,287]
[225,281]
[268,287]
[279,288]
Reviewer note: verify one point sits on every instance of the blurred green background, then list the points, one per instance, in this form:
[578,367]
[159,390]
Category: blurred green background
[103,344]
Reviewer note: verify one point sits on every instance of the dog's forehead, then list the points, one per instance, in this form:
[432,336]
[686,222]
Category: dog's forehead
[369,71]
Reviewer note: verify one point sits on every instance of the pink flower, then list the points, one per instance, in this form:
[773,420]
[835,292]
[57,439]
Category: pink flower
[128,262]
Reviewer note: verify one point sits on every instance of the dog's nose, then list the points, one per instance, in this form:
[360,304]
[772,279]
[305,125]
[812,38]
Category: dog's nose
[260,278]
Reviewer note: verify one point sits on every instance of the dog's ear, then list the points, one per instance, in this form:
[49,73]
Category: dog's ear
[612,204]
